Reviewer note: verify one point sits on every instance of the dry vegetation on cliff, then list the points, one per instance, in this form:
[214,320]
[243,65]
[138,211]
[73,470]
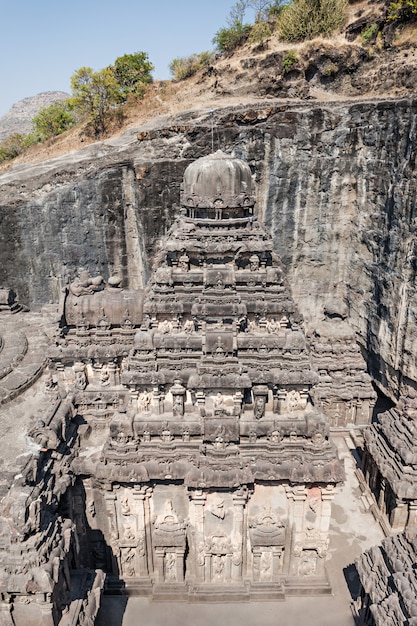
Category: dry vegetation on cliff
[372,58]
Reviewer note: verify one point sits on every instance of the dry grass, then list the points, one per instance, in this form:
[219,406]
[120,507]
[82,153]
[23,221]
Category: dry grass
[406,36]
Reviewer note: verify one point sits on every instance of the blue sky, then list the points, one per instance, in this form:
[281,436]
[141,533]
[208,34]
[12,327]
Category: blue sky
[43,42]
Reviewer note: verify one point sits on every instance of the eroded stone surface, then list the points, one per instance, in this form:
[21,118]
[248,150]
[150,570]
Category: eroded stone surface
[390,463]
[389,582]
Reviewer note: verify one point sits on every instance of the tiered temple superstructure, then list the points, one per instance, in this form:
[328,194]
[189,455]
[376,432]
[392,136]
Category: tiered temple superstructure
[388,575]
[389,467]
[184,454]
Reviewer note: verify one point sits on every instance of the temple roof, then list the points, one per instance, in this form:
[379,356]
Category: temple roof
[218,178]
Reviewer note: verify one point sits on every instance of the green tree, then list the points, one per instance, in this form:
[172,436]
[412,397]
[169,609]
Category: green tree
[133,72]
[94,94]
[53,120]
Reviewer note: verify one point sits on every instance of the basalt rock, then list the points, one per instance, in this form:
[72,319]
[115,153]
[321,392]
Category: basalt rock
[336,191]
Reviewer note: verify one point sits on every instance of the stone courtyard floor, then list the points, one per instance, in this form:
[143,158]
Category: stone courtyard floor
[352,532]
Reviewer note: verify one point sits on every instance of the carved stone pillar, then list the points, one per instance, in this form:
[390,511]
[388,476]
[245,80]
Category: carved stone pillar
[277,562]
[327,495]
[256,565]
[200,399]
[197,502]
[381,498]
[412,514]
[47,617]
[110,503]
[139,496]
[179,565]
[239,501]
[298,495]
[148,538]
[113,374]
[237,403]
[260,397]
[159,564]
[110,500]
[157,400]
[178,398]
[281,400]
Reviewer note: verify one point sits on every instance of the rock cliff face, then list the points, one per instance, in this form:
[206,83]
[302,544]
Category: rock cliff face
[336,187]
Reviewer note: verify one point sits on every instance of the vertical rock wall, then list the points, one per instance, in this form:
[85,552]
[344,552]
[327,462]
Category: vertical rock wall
[336,187]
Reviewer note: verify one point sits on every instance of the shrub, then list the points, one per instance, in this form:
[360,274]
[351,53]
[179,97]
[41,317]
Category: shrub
[184,67]
[259,32]
[306,19]
[290,59]
[15,145]
[228,39]
[331,69]
[402,10]
[53,120]
[368,33]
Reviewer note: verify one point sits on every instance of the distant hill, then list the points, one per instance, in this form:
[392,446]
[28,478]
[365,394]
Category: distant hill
[19,118]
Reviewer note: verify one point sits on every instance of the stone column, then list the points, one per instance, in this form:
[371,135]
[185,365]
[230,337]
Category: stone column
[276,562]
[110,503]
[327,495]
[179,563]
[113,373]
[412,514]
[46,611]
[237,403]
[178,400]
[297,497]
[197,501]
[400,516]
[281,400]
[200,399]
[139,496]
[239,500]
[159,564]
[381,499]
[148,538]
[157,400]
[256,566]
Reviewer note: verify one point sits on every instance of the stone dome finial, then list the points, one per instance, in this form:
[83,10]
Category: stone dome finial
[218,180]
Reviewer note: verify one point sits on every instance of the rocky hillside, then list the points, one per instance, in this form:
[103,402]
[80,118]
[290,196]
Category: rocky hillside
[19,118]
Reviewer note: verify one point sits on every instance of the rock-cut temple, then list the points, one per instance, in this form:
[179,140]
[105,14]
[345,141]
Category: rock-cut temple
[180,453]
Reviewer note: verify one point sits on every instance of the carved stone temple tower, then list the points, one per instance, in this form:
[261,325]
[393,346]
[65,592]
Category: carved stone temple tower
[179,440]
[217,474]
